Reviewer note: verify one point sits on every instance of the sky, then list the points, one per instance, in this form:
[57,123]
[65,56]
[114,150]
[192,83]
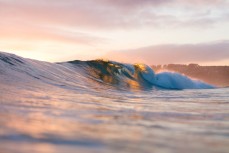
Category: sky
[146,31]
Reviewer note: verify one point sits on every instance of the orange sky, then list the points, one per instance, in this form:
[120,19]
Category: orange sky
[150,31]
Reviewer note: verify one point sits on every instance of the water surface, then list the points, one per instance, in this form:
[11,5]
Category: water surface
[77,107]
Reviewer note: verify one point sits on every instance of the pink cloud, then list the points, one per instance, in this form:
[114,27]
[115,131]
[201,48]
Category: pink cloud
[104,14]
[167,54]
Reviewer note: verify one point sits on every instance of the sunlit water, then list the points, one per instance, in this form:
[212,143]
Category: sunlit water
[53,108]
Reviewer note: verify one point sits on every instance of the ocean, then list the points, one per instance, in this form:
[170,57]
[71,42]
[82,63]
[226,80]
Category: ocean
[103,106]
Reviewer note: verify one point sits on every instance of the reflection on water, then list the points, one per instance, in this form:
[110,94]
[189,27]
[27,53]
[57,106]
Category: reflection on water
[56,120]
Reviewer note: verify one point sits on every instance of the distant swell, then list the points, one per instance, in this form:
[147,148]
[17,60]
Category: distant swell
[77,74]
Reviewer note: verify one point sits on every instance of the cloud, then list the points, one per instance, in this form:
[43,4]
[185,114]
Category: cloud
[170,53]
[113,14]
[37,33]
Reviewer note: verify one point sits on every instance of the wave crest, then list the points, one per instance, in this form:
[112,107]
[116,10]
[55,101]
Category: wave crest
[140,75]
[137,76]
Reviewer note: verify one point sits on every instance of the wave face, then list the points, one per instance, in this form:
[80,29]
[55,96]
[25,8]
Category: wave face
[78,74]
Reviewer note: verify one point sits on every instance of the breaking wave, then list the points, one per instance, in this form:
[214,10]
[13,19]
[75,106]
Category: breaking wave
[86,74]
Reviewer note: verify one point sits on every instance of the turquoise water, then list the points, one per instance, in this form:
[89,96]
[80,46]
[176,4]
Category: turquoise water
[97,107]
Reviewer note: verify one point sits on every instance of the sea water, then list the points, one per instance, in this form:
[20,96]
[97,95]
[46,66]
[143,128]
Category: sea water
[107,107]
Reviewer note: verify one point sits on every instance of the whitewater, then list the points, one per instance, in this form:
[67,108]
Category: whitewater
[101,106]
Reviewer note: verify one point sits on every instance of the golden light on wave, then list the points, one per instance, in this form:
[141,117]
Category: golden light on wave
[141,67]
